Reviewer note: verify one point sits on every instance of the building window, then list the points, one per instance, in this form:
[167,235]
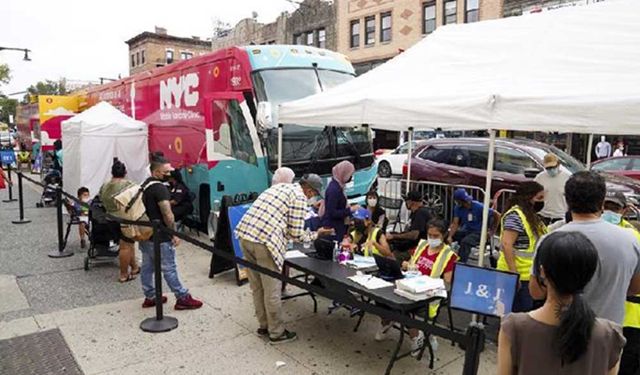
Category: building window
[471,11]
[322,38]
[297,39]
[137,58]
[133,60]
[269,42]
[370,30]
[309,41]
[355,34]
[142,59]
[186,55]
[428,17]
[169,56]
[385,27]
[449,12]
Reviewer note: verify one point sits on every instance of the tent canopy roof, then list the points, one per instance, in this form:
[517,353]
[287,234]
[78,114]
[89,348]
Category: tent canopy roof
[573,69]
[103,119]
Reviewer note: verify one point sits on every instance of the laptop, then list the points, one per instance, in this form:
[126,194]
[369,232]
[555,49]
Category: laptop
[388,268]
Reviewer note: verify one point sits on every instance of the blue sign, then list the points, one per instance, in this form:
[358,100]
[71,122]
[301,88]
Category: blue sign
[8,157]
[483,290]
[235,215]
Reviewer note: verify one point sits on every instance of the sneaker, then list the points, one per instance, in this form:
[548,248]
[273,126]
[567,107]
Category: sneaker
[150,302]
[285,337]
[382,332]
[83,243]
[262,332]
[188,303]
[433,342]
[416,344]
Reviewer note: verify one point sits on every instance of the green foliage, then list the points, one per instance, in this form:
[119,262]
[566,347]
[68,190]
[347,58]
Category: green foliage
[47,87]
[7,107]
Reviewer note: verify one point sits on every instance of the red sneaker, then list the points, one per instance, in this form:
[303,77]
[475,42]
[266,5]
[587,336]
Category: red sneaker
[150,302]
[188,303]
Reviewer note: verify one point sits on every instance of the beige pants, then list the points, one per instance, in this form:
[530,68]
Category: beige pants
[266,290]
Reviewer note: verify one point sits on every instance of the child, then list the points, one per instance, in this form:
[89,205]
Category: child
[83,214]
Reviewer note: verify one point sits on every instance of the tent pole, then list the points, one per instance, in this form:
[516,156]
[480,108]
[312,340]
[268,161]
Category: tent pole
[410,151]
[487,197]
[279,145]
[589,147]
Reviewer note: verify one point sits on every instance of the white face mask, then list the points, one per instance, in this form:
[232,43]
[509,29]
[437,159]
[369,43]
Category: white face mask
[434,242]
[372,202]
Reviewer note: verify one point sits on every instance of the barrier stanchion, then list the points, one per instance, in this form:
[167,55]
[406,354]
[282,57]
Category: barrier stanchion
[60,253]
[22,220]
[160,323]
[10,183]
[476,336]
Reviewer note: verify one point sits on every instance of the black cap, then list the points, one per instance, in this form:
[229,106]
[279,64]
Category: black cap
[413,196]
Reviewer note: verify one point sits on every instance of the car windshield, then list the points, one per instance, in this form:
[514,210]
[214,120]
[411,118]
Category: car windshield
[568,161]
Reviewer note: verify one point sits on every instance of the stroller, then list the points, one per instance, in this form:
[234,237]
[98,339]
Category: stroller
[52,181]
[103,236]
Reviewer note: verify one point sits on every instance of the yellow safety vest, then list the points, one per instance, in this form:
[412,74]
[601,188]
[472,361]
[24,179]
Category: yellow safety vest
[631,310]
[437,270]
[369,248]
[523,258]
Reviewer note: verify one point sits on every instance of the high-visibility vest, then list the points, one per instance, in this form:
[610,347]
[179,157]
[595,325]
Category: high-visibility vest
[631,310]
[443,258]
[369,248]
[523,258]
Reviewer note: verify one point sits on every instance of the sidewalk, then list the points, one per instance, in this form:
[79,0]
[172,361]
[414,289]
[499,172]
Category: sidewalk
[98,317]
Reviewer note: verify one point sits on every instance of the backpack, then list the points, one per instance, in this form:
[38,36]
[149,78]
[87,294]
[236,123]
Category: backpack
[130,207]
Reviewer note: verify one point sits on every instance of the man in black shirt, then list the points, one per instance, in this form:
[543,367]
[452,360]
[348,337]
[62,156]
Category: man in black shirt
[420,215]
[156,199]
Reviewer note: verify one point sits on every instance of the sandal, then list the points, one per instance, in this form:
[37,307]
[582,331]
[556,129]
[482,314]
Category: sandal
[135,272]
[130,277]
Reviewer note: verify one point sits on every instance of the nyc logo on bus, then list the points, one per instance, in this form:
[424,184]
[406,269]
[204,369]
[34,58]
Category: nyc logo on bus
[176,91]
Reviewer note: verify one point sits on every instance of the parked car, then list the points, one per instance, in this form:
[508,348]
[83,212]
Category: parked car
[628,166]
[391,163]
[463,161]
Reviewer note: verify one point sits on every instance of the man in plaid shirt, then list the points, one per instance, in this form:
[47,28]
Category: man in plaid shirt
[276,217]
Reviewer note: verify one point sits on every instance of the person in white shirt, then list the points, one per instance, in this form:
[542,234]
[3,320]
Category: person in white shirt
[619,150]
[553,179]
[603,148]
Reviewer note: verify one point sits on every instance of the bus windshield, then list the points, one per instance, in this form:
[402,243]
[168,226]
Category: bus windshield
[308,149]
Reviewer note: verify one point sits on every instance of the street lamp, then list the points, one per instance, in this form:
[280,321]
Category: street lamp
[25,50]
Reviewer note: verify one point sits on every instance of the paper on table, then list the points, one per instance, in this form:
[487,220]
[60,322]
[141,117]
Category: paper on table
[294,254]
[361,262]
[370,282]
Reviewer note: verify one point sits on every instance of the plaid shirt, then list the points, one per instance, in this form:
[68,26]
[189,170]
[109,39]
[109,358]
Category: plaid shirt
[274,218]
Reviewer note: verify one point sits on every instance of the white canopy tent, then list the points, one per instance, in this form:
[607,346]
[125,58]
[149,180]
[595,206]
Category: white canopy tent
[93,138]
[572,70]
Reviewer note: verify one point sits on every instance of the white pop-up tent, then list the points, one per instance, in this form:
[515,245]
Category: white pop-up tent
[573,70]
[93,138]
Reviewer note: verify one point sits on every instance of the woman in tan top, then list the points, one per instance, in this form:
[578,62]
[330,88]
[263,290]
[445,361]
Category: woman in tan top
[563,336]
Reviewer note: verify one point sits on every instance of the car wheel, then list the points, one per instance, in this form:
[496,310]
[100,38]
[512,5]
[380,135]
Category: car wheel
[437,202]
[384,169]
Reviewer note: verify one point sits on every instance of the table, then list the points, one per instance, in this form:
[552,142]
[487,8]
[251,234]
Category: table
[334,278]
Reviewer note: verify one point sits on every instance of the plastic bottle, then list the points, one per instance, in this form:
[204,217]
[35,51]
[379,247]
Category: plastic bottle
[345,250]
[336,251]
[306,240]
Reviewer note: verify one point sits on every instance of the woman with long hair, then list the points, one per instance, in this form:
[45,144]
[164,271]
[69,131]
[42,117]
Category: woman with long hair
[563,336]
[521,229]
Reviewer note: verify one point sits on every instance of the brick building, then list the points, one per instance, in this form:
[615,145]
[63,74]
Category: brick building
[150,50]
[249,31]
[371,32]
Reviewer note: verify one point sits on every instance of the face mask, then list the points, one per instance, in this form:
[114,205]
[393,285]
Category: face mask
[434,242]
[537,206]
[612,217]
[85,199]
[553,171]
[313,200]
[372,202]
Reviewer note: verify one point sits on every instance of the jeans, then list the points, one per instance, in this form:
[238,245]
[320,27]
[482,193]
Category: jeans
[167,265]
[630,361]
[467,241]
[523,301]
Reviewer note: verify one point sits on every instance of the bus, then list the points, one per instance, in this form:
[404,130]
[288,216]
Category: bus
[214,117]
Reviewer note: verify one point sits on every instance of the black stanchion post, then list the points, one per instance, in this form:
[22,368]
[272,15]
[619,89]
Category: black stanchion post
[475,345]
[22,220]
[10,183]
[160,323]
[60,253]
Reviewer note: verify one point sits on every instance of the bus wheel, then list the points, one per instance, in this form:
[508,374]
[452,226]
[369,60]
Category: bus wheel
[384,169]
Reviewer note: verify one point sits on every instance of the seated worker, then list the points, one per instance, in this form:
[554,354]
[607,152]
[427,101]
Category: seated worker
[416,230]
[432,258]
[378,214]
[368,239]
[314,182]
[181,202]
[467,222]
[82,213]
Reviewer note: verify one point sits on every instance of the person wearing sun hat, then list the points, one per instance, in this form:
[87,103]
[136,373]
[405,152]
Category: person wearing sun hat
[553,179]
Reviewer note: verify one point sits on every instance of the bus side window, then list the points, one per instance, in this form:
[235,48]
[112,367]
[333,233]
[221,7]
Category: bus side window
[233,137]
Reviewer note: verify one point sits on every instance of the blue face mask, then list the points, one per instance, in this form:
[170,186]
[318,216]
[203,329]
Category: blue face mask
[553,171]
[612,217]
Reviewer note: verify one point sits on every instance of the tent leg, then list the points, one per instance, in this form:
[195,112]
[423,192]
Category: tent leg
[410,151]
[589,147]
[487,197]
[279,145]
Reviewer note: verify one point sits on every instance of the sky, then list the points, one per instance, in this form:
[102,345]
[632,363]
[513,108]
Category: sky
[85,40]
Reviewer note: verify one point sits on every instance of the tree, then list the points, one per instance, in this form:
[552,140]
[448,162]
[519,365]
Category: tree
[47,87]
[7,107]
[5,74]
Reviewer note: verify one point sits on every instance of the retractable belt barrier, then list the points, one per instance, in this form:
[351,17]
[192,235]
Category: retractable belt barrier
[472,340]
